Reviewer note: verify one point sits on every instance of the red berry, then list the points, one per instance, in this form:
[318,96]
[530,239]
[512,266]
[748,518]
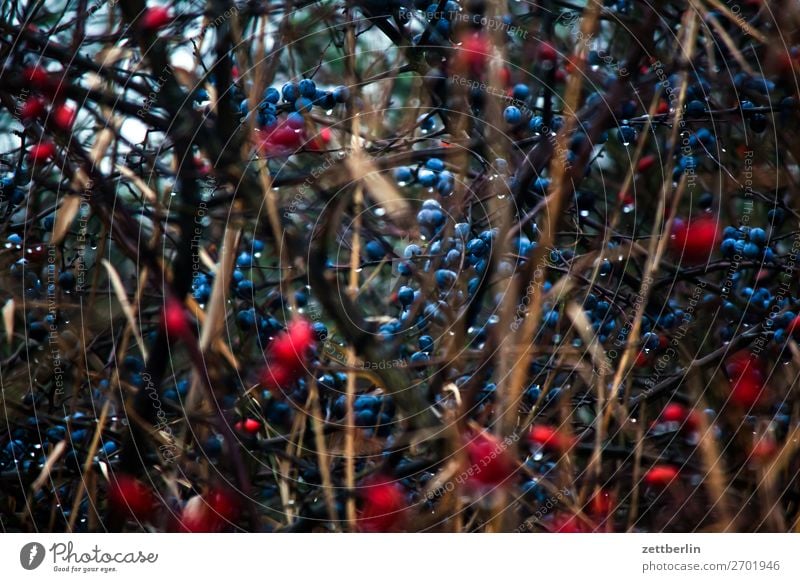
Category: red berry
[693,242]
[489,460]
[129,496]
[275,376]
[36,253]
[744,362]
[248,426]
[674,412]
[474,52]
[794,327]
[601,505]
[660,475]
[547,437]
[746,391]
[763,450]
[63,117]
[646,163]
[547,52]
[382,506]
[505,76]
[209,513]
[747,374]
[38,78]
[291,347]
[568,524]
[175,320]
[325,135]
[280,141]
[32,108]
[41,152]
[154,19]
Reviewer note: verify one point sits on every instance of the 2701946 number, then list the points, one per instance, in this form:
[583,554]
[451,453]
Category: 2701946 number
[748,565]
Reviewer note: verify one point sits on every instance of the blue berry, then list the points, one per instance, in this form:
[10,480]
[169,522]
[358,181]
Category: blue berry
[445,278]
[477,247]
[752,250]
[521,92]
[271,95]
[695,108]
[405,295]
[303,105]
[626,134]
[290,92]
[374,250]
[776,216]
[434,164]
[412,251]
[426,177]
[307,88]
[426,343]
[403,175]
[244,289]
[341,94]
[758,236]
[512,115]
[536,123]
[246,318]
[66,280]
[758,123]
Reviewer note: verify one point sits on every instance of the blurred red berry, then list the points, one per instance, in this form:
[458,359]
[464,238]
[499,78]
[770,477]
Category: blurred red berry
[489,460]
[694,241]
[33,108]
[746,391]
[601,505]
[625,198]
[547,52]
[674,412]
[548,437]
[747,374]
[280,141]
[209,513]
[505,76]
[248,426]
[41,152]
[474,51]
[764,450]
[646,162]
[154,19]
[382,505]
[63,117]
[37,78]
[660,475]
[291,347]
[35,253]
[129,496]
[794,327]
[175,320]
[745,362]
[568,524]
[274,376]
